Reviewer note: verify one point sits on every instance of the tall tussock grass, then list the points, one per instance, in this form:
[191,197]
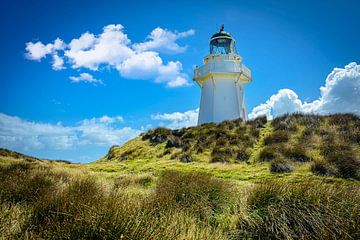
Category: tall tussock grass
[181,205]
[307,210]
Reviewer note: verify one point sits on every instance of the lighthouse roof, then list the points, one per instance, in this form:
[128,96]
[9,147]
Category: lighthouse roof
[221,33]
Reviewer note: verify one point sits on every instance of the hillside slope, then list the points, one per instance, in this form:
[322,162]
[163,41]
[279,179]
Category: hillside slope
[328,145]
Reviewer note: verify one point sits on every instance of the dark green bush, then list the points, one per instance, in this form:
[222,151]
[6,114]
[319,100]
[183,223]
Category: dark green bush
[277,137]
[223,154]
[324,168]
[343,157]
[158,135]
[267,154]
[285,122]
[258,122]
[173,142]
[242,155]
[296,153]
[281,166]
[343,119]
[186,158]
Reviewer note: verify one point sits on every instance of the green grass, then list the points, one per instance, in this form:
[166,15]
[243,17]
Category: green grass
[142,189]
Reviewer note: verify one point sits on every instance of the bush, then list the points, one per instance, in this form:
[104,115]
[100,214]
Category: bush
[267,154]
[343,158]
[196,192]
[242,155]
[277,137]
[281,166]
[285,122]
[307,210]
[258,122]
[158,135]
[296,153]
[223,154]
[324,168]
[173,142]
[343,119]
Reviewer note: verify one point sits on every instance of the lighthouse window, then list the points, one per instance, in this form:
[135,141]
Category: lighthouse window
[222,46]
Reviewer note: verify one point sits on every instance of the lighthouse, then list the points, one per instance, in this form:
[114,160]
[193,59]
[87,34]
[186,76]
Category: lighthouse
[222,78]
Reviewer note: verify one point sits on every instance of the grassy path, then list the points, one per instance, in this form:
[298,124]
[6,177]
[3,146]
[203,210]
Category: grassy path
[259,144]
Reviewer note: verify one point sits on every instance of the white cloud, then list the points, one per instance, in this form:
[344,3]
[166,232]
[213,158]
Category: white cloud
[178,120]
[85,77]
[16,133]
[341,94]
[38,50]
[113,49]
[107,119]
[109,48]
[163,40]
[58,63]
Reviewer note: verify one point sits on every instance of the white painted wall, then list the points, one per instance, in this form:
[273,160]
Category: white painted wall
[221,99]
[222,80]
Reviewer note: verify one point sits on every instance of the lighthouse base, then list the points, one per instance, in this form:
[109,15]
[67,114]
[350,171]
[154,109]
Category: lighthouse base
[221,99]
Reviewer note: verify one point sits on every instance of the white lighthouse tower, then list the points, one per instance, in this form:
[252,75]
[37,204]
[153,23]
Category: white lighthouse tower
[222,78]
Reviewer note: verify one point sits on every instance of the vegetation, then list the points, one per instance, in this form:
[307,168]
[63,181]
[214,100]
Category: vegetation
[179,205]
[295,177]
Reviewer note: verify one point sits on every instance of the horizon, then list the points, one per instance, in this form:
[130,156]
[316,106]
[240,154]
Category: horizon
[78,78]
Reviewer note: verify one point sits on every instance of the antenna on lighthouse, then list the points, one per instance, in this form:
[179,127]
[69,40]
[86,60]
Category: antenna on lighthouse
[222,28]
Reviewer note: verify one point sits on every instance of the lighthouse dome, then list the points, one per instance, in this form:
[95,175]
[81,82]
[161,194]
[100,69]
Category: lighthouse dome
[222,43]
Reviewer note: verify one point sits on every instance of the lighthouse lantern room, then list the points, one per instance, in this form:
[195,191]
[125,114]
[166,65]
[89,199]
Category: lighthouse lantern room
[222,78]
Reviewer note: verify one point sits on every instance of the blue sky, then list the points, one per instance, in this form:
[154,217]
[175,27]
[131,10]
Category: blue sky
[78,112]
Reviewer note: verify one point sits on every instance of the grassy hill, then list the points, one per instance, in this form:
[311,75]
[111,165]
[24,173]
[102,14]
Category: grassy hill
[295,177]
[298,143]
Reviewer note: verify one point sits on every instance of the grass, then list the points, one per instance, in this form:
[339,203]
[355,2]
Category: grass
[179,205]
[295,177]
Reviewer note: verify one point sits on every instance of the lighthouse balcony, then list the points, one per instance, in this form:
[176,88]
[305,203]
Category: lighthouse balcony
[223,67]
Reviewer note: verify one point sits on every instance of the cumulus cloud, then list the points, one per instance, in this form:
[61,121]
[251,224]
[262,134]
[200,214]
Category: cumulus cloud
[85,77]
[38,50]
[341,94]
[112,48]
[23,135]
[163,40]
[58,63]
[178,120]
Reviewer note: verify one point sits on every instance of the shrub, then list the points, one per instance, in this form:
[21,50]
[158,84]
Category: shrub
[258,122]
[173,142]
[343,119]
[186,158]
[277,137]
[306,210]
[221,142]
[267,154]
[324,168]
[158,135]
[281,166]
[285,122]
[343,158]
[242,155]
[223,154]
[196,192]
[296,153]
